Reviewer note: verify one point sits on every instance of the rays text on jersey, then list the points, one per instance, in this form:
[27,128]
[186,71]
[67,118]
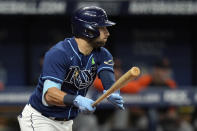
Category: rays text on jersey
[80,78]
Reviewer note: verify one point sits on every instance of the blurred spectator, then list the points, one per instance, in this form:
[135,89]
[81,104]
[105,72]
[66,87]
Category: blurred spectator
[160,76]
[118,73]
[3,76]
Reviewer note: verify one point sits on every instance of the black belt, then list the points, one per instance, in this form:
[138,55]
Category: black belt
[55,118]
[58,119]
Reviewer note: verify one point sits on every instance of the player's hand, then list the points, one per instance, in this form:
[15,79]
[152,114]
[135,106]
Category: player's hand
[84,104]
[116,100]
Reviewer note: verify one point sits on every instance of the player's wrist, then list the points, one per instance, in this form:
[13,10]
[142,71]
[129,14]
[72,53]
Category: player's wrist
[69,99]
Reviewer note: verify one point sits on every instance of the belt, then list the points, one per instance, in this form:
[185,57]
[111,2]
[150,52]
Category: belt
[58,119]
[55,118]
[52,118]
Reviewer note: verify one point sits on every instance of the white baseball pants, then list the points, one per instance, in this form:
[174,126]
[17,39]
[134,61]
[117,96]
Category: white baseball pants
[32,120]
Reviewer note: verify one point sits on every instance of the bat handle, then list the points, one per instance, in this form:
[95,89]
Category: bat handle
[103,96]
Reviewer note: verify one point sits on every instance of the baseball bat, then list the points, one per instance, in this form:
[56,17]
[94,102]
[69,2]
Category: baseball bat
[122,81]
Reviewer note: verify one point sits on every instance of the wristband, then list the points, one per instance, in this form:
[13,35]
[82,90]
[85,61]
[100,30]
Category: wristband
[68,99]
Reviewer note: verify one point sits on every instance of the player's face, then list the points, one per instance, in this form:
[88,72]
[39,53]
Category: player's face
[102,39]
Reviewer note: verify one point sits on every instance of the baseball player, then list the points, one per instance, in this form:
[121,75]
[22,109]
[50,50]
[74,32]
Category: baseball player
[69,69]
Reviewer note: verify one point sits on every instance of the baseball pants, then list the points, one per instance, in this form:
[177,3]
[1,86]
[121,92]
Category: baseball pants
[32,120]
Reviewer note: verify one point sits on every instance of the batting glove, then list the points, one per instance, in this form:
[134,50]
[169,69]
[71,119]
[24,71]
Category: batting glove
[116,100]
[84,104]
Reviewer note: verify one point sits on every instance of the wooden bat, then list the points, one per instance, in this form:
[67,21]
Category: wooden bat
[122,81]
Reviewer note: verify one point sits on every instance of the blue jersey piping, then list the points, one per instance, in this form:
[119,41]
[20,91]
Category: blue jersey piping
[74,51]
[88,61]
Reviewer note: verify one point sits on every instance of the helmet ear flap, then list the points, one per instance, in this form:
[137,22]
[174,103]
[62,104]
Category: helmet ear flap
[87,30]
[91,32]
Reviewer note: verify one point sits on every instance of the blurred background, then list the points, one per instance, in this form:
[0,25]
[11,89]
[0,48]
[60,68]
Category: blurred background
[159,36]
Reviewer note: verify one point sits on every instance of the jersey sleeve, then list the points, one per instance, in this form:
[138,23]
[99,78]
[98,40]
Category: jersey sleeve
[55,65]
[105,61]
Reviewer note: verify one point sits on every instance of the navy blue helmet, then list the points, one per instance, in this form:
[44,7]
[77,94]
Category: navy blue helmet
[86,20]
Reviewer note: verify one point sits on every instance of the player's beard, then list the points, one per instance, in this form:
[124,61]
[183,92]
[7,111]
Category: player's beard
[96,43]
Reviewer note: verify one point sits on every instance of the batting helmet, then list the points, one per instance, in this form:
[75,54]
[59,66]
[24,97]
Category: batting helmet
[86,21]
